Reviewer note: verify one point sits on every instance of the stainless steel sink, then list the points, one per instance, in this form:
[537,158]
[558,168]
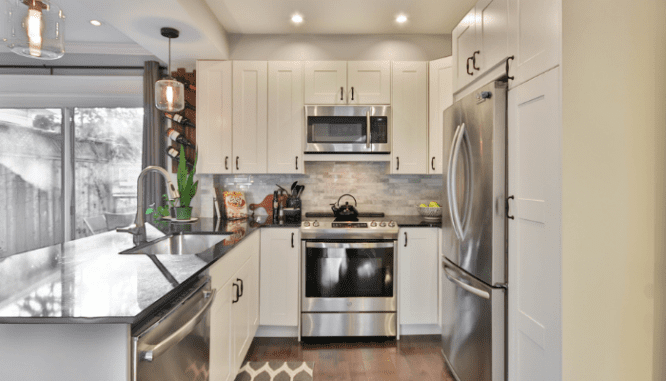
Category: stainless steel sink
[178,244]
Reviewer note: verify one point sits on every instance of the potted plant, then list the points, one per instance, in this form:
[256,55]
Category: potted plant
[187,187]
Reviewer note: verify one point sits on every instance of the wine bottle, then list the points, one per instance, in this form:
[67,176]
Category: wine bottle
[180,119]
[178,137]
[175,154]
[187,84]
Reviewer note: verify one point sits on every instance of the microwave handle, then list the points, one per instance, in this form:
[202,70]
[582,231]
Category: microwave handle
[367,125]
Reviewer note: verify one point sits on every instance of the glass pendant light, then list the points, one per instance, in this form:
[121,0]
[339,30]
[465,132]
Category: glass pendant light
[169,93]
[36,28]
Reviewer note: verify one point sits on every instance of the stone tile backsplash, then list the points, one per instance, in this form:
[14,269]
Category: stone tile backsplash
[369,182]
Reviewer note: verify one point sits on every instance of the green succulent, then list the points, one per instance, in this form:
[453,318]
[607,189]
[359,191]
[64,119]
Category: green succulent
[187,187]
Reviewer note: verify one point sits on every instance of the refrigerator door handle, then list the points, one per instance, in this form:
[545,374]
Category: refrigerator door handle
[466,287]
[453,185]
[449,187]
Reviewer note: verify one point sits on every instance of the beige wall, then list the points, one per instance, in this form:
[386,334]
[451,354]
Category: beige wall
[610,151]
[404,47]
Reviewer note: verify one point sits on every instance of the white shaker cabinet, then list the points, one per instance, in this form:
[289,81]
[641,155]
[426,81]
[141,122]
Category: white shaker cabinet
[440,98]
[279,273]
[410,118]
[342,82]
[535,228]
[214,105]
[285,117]
[463,47]
[250,111]
[418,275]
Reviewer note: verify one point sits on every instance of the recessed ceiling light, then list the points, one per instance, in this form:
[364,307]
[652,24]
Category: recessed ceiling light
[401,19]
[297,19]
[96,22]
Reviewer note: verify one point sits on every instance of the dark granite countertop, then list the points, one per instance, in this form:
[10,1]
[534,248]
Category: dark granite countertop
[87,281]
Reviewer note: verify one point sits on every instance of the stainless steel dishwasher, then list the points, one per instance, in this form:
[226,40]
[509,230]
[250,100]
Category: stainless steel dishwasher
[174,344]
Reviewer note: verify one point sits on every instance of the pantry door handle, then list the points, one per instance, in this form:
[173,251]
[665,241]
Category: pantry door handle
[238,169]
[226,162]
[468,72]
[297,163]
[405,239]
[342,93]
[292,240]
[397,159]
[474,60]
[432,163]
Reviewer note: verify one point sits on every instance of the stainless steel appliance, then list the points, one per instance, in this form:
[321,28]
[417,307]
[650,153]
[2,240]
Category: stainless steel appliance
[474,289]
[174,344]
[348,129]
[348,278]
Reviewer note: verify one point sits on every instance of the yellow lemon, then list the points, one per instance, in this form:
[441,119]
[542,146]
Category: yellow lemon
[433,204]
[423,205]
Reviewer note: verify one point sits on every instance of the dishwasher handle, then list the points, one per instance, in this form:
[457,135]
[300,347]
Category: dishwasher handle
[150,352]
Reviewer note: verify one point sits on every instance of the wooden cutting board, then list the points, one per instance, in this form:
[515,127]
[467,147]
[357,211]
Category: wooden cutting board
[268,204]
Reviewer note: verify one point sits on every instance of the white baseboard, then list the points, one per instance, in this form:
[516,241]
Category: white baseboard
[277,331]
[420,329]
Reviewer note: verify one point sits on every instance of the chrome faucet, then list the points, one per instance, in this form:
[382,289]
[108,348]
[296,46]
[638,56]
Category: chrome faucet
[139,228]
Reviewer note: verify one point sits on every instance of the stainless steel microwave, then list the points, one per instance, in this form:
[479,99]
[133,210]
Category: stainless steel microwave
[347,129]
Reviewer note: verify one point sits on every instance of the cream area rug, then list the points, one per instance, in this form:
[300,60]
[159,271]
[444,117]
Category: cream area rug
[276,371]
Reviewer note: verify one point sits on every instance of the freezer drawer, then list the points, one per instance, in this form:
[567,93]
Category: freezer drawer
[473,326]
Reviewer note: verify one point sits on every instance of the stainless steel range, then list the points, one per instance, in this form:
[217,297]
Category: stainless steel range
[349,277]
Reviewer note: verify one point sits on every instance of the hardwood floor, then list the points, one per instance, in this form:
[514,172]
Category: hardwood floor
[411,358]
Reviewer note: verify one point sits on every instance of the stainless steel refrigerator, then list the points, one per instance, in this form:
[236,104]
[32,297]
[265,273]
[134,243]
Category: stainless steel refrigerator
[474,288]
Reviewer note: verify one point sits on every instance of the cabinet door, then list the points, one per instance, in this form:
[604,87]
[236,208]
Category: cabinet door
[250,110]
[418,268]
[463,47]
[440,98]
[325,82]
[492,34]
[369,82]
[536,27]
[214,116]
[410,118]
[286,126]
[221,344]
[535,245]
[280,257]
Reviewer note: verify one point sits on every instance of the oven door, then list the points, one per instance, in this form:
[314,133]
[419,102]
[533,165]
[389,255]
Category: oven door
[356,276]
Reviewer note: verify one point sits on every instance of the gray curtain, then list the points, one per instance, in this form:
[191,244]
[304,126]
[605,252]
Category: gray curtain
[154,142]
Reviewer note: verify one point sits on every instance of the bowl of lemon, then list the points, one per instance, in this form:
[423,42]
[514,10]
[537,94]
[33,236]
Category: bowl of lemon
[430,212]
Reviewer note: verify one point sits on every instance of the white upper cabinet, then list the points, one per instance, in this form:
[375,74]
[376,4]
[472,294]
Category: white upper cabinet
[214,117]
[440,98]
[481,41]
[341,82]
[369,82]
[325,82]
[410,118]
[285,117]
[536,31]
[250,110]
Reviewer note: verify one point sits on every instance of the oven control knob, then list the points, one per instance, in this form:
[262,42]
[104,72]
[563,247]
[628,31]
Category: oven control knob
[306,223]
[373,223]
[383,224]
[391,224]
[315,224]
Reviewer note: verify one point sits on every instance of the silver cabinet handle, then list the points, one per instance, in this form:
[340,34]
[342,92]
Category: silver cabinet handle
[226,162]
[237,163]
[367,132]
[342,93]
[405,239]
[466,287]
[150,352]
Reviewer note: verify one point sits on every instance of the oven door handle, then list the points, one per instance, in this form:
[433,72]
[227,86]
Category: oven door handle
[349,245]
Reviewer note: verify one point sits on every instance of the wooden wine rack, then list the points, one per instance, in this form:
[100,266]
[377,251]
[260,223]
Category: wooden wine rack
[189,132]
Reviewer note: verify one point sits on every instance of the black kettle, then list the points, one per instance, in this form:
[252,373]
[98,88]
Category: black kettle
[345,212]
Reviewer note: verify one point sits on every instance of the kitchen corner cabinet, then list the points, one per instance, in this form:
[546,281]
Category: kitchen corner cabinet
[214,105]
[279,274]
[342,83]
[410,118]
[440,97]
[480,41]
[285,117]
[418,270]
[250,112]
[235,312]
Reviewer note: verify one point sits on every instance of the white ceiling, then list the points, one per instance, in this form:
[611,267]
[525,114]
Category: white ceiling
[340,16]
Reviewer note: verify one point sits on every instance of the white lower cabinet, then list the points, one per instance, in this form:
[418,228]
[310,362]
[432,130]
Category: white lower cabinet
[280,257]
[418,270]
[234,315]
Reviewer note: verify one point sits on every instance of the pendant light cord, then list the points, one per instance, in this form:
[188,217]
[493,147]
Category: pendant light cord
[169,68]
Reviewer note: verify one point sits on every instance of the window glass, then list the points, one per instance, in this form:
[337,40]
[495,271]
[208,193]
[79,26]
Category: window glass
[107,163]
[30,191]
